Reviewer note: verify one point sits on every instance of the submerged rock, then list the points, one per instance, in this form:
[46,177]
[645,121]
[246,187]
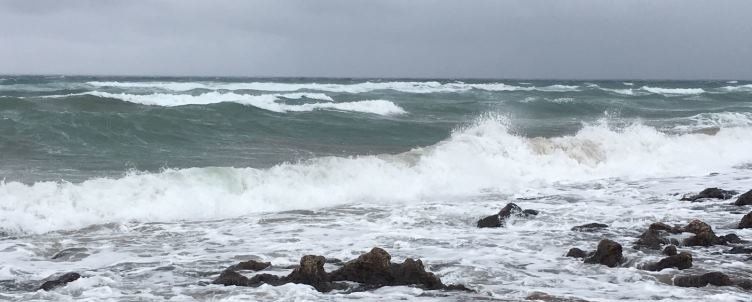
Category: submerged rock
[499,219]
[745,199]
[60,281]
[680,261]
[231,277]
[71,254]
[589,227]
[670,250]
[710,193]
[746,221]
[608,253]
[251,265]
[539,296]
[576,253]
[739,250]
[654,236]
[731,238]
[713,278]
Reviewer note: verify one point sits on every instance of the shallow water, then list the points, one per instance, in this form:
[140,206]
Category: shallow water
[210,184]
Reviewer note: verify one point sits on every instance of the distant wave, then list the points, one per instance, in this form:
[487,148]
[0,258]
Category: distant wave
[673,91]
[483,157]
[409,87]
[264,101]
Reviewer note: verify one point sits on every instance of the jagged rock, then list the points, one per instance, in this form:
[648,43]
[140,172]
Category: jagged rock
[251,265]
[714,278]
[373,267]
[745,199]
[739,250]
[680,261]
[498,220]
[60,281]
[710,193]
[746,221]
[704,235]
[653,237]
[589,227]
[608,253]
[670,250]
[311,272]
[576,253]
[412,272]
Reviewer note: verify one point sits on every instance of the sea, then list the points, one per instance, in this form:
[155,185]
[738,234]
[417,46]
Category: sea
[150,186]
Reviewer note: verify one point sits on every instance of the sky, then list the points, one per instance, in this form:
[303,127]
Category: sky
[526,39]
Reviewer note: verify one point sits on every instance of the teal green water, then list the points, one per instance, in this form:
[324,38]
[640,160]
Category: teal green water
[76,128]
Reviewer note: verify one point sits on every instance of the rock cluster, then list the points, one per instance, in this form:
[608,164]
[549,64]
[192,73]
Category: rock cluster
[710,193]
[499,219]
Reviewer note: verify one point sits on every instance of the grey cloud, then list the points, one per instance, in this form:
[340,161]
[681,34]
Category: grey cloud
[499,39]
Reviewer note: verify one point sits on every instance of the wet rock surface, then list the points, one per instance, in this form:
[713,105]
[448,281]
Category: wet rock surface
[710,193]
[746,221]
[576,253]
[371,270]
[670,250]
[713,278]
[679,261]
[608,253]
[251,265]
[59,281]
[590,227]
[539,296]
[499,219]
[744,199]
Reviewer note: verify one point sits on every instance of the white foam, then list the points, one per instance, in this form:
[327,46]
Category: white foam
[264,101]
[715,120]
[673,91]
[409,87]
[484,157]
[737,88]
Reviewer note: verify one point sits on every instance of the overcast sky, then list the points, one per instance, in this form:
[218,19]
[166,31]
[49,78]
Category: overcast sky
[583,39]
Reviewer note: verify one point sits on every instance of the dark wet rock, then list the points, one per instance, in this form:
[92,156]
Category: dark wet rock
[731,238]
[704,235]
[589,227]
[231,277]
[412,272]
[608,253]
[372,270]
[710,193]
[71,254]
[670,250]
[654,236]
[680,261]
[714,278]
[499,220]
[739,250]
[539,296]
[250,265]
[576,253]
[745,199]
[746,221]
[60,281]
[311,272]
[744,284]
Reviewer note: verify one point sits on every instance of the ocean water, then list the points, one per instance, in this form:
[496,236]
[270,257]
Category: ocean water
[160,183]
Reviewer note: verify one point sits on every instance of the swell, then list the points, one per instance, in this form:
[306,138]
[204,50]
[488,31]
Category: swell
[483,157]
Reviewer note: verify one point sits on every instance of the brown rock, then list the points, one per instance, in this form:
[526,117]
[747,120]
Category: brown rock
[745,199]
[670,250]
[608,253]
[60,281]
[746,221]
[680,261]
[714,278]
[311,272]
[576,253]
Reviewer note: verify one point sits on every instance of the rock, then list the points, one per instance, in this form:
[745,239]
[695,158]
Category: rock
[746,221]
[412,272]
[231,277]
[60,281]
[680,261]
[373,267]
[71,254]
[731,238]
[713,278]
[710,193]
[270,279]
[745,199]
[311,272]
[498,220]
[251,265]
[576,253]
[539,296]
[744,284]
[670,250]
[608,253]
[739,250]
[704,235]
[654,237]
[589,227]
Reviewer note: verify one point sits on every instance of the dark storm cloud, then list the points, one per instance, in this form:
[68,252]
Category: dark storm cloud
[521,39]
